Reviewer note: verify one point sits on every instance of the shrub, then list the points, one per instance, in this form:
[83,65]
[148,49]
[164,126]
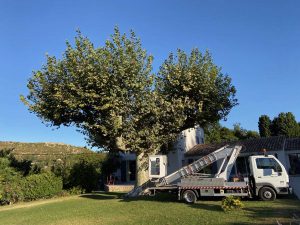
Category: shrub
[76,191]
[82,171]
[231,203]
[10,183]
[45,185]
[11,193]
[85,175]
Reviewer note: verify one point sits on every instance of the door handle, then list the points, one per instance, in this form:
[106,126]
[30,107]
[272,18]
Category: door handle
[259,177]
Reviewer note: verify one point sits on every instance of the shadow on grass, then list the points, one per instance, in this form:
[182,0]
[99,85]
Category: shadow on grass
[205,206]
[160,197]
[102,195]
[280,211]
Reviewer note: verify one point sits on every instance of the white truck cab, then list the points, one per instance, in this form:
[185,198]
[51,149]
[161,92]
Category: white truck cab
[268,176]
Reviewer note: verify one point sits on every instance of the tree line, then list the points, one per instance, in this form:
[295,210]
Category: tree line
[284,124]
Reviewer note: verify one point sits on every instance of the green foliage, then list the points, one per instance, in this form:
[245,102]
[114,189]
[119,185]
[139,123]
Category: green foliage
[264,126]
[110,164]
[44,185]
[76,191]
[110,94]
[10,178]
[284,124]
[242,133]
[33,187]
[206,94]
[82,171]
[215,133]
[12,192]
[85,174]
[231,203]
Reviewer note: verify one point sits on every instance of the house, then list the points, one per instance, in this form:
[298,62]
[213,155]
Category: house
[287,150]
[176,156]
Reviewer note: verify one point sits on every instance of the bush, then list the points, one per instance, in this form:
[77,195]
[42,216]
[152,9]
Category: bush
[85,175]
[83,171]
[10,183]
[76,191]
[231,203]
[11,193]
[45,185]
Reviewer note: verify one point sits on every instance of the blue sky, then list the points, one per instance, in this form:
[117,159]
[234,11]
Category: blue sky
[256,42]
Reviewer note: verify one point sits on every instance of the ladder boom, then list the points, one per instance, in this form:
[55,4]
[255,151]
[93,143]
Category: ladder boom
[201,163]
[171,179]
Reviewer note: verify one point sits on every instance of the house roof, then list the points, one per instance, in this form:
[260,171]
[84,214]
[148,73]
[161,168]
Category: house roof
[292,144]
[278,143]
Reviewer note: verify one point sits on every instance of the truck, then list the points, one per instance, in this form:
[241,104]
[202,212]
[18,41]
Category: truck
[267,178]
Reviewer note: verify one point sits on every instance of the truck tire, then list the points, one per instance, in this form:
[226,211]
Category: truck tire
[267,194]
[189,196]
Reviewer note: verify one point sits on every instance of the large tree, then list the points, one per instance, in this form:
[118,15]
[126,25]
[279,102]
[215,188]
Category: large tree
[285,124]
[264,126]
[110,94]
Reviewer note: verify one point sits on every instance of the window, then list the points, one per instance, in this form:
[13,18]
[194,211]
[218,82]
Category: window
[268,163]
[242,166]
[294,163]
[155,166]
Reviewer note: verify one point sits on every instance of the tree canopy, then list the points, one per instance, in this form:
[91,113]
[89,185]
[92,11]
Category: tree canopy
[284,124]
[215,133]
[264,126]
[207,94]
[112,96]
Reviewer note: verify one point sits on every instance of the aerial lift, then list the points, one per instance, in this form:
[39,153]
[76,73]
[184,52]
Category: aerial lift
[267,179]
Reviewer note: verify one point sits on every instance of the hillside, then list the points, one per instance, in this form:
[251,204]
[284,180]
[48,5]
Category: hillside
[42,151]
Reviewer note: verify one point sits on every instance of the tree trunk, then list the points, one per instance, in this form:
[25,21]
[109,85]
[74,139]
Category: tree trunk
[141,168]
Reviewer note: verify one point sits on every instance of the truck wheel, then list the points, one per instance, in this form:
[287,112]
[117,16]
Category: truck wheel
[267,194]
[189,196]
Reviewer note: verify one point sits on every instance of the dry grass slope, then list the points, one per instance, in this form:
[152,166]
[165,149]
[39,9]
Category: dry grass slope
[39,151]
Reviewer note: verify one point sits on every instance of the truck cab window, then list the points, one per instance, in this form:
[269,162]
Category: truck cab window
[268,163]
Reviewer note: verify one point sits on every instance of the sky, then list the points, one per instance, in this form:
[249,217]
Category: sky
[256,42]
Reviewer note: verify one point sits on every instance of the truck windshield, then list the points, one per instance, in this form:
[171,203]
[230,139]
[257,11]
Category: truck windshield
[268,163]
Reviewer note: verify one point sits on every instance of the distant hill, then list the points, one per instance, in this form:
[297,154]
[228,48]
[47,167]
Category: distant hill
[42,151]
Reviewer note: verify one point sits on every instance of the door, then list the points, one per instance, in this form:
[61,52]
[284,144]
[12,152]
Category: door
[268,170]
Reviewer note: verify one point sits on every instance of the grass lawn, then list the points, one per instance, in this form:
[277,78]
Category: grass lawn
[105,208]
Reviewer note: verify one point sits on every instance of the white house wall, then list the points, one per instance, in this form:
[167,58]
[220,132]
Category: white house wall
[185,141]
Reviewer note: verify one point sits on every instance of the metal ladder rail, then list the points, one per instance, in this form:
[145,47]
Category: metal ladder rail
[197,165]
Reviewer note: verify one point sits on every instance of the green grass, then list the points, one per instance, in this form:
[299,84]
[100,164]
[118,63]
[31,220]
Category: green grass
[104,208]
